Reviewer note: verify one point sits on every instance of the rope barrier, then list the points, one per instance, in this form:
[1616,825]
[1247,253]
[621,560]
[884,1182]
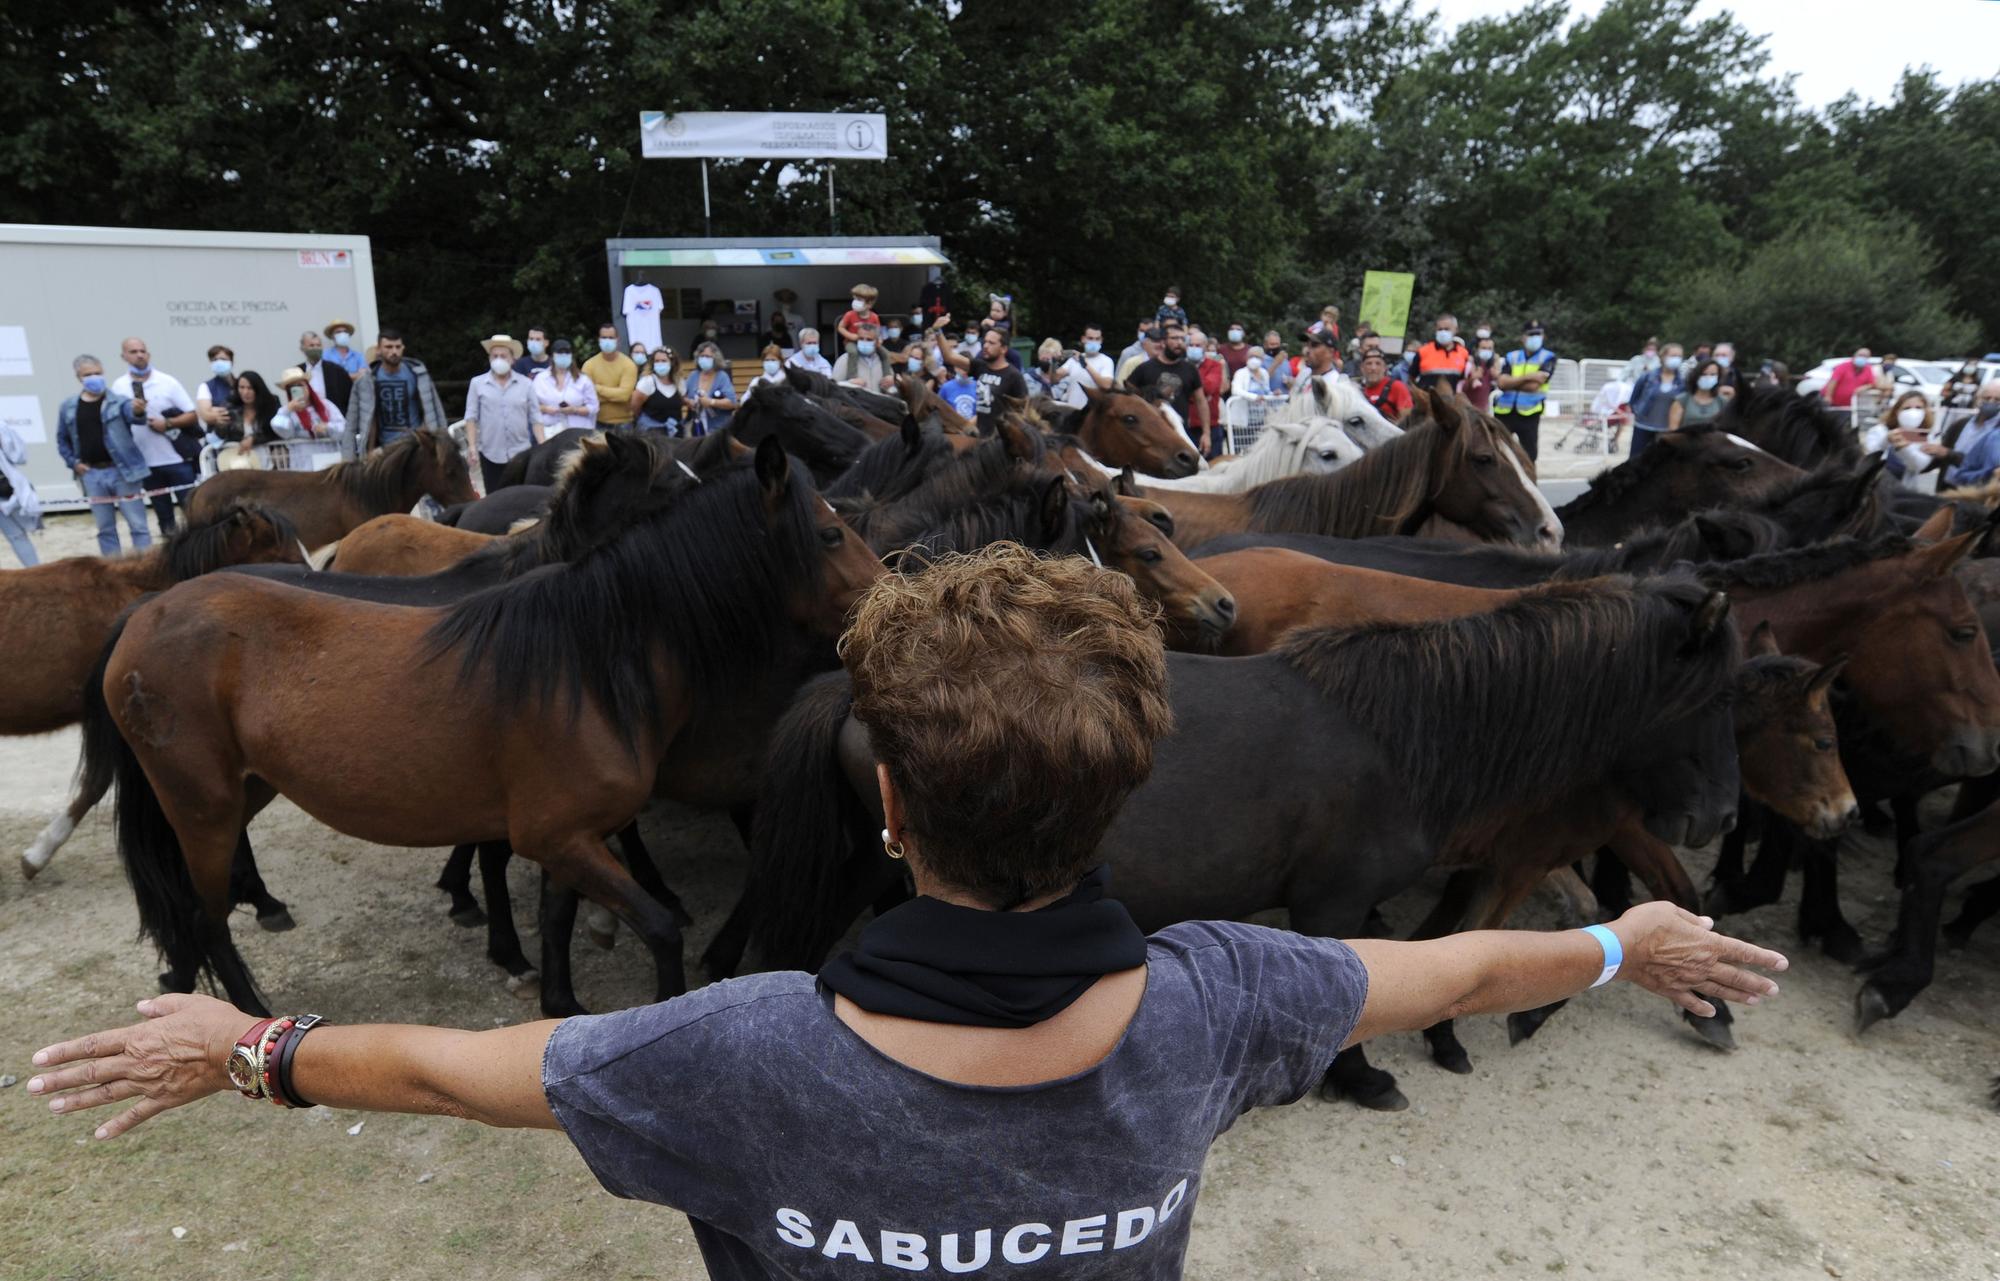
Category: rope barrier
[141,495]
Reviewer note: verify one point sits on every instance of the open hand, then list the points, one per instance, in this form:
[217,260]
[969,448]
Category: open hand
[1672,951]
[179,1054]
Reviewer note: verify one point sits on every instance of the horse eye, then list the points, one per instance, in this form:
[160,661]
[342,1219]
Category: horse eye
[1149,555]
[1738,464]
[1131,420]
[1354,421]
[1822,745]
[831,535]
[1964,635]
[1482,460]
[1328,454]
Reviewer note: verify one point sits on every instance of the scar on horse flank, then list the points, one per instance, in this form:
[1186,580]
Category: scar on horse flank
[147,718]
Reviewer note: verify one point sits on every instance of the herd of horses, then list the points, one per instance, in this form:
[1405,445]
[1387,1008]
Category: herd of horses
[1746,634]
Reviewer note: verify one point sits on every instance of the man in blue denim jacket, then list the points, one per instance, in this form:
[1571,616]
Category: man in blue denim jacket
[94,437]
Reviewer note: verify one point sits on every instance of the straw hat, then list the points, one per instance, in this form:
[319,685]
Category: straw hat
[332,325]
[290,376]
[512,344]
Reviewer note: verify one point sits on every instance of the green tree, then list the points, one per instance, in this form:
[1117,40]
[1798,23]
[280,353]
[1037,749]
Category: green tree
[1827,287]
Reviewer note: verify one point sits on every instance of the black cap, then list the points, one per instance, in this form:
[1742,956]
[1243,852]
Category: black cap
[1532,327]
[1316,337]
[560,344]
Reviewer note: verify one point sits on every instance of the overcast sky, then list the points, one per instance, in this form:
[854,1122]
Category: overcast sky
[1836,46]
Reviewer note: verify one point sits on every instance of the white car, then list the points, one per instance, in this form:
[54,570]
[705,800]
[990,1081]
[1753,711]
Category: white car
[1926,376]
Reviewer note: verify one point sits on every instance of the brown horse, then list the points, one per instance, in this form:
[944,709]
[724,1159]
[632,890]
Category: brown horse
[1123,429]
[607,665]
[1277,590]
[54,619]
[1453,473]
[1191,601]
[1682,472]
[402,546]
[327,504]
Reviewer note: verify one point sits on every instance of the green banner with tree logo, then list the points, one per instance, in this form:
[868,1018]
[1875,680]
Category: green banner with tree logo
[1385,304]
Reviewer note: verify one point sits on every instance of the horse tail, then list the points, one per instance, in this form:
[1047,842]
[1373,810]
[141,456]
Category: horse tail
[170,912]
[802,839]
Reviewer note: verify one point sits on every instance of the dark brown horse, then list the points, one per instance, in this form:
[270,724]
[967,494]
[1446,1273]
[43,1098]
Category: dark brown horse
[324,505]
[1453,473]
[1682,472]
[1123,429]
[609,665]
[54,619]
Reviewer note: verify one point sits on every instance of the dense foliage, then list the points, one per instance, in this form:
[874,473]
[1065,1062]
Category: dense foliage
[1613,175]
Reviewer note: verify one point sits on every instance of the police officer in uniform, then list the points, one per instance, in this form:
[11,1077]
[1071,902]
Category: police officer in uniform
[1522,383]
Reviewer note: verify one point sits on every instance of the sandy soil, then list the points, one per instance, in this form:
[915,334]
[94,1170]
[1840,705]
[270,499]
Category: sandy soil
[1614,1144]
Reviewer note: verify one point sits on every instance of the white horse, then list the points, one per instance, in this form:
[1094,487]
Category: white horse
[1325,425]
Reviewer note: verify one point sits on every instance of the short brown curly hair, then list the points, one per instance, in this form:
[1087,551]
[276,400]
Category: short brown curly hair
[1015,700]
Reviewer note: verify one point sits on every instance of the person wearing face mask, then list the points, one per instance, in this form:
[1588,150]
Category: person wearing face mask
[1701,398]
[1131,356]
[1523,388]
[860,311]
[1173,380]
[1214,381]
[303,413]
[1329,324]
[1253,381]
[862,364]
[1170,310]
[503,415]
[567,400]
[1277,363]
[1000,315]
[657,397]
[327,377]
[709,391]
[1856,374]
[1481,371]
[94,440]
[165,428]
[1443,360]
[781,333]
[215,400]
[537,358]
[774,366]
[344,351]
[1652,398]
[1235,349]
[1648,358]
[393,397]
[808,355]
[1089,367]
[1972,444]
[614,375]
[1903,438]
[1773,374]
[1732,377]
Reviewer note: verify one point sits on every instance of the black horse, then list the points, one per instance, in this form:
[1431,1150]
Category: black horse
[1379,752]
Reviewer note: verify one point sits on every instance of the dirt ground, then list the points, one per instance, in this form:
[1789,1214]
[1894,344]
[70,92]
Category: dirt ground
[1614,1144]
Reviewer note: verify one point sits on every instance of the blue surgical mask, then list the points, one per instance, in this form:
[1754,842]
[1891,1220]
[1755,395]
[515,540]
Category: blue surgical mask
[139,371]
[1672,363]
[1862,362]
[562,359]
[1706,382]
[663,368]
[342,339]
[1724,361]
[536,347]
[1533,342]
[1194,353]
[705,362]
[895,331]
[1092,347]
[770,368]
[916,364]
[607,345]
[94,384]
[1236,335]
[218,367]
[865,346]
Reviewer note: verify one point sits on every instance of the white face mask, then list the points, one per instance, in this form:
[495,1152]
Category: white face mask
[1172,301]
[501,365]
[1910,419]
[1486,333]
[770,368]
[858,305]
[342,339]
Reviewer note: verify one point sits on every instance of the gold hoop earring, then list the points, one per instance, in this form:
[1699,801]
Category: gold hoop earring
[894,849]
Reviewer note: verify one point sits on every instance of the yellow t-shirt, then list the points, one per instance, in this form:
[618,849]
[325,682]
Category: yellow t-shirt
[615,377]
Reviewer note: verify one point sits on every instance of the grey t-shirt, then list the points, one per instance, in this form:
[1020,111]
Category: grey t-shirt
[798,1150]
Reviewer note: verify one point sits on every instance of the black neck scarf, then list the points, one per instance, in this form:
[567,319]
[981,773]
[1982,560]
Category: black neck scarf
[942,963]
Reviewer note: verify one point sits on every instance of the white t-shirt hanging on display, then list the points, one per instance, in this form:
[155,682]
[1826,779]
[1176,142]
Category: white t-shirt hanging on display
[642,314]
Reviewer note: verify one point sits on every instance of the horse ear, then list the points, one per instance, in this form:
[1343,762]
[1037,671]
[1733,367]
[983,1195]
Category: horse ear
[1715,538]
[1938,558]
[1763,641]
[1093,393]
[774,471]
[1710,617]
[1125,484]
[913,434]
[1446,410]
[1869,470]
[1420,401]
[1055,505]
[1827,675]
[1020,440]
[1937,527]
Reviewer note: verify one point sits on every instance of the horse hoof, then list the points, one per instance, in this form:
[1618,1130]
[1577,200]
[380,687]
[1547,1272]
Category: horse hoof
[556,1009]
[1389,1100]
[527,984]
[1870,1008]
[1457,1062]
[1714,1031]
[468,918]
[28,868]
[1520,1027]
[1382,1098]
[603,940]
[277,922]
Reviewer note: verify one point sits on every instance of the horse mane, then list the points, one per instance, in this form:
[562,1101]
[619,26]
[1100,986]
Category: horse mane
[1802,432]
[1613,485]
[196,549]
[957,480]
[1379,493]
[821,438]
[1792,566]
[888,468]
[1551,678]
[704,580]
[377,482]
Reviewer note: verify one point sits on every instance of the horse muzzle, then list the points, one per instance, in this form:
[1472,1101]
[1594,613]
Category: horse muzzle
[1969,752]
[1214,612]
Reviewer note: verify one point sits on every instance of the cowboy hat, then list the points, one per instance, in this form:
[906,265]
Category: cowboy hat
[332,325]
[503,340]
[290,376]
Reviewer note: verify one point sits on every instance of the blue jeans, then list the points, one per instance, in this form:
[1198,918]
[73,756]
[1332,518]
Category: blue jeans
[16,533]
[168,476]
[105,482]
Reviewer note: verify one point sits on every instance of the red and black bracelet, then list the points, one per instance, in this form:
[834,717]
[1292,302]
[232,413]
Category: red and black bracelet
[286,1095]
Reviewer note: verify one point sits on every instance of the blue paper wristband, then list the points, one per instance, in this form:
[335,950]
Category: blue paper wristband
[1614,952]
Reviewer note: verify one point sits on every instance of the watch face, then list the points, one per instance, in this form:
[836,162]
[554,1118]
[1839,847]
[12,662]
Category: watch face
[242,1069]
